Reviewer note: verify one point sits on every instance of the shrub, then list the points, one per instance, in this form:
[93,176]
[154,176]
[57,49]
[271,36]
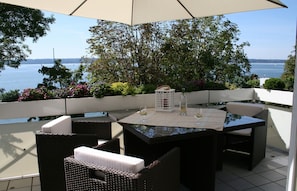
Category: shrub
[79,90]
[12,95]
[289,83]
[253,83]
[194,85]
[231,86]
[214,86]
[136,90]
[121,88]
[60,93]
[100,90]
[274,84]
[148,88]
[35,94]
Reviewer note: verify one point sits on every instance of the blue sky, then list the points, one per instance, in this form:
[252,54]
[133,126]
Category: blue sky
[271,34]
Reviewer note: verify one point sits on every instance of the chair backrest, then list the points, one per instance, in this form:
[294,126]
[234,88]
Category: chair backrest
[51,151]
[101,126]
[58,138]
[247,109]
[108,159]
[61,125]
[162,174]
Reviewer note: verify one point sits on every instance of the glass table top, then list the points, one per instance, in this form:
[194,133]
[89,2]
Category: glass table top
[232,121]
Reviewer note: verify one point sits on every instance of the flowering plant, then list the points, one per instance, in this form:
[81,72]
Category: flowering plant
[35,94]
[79,90]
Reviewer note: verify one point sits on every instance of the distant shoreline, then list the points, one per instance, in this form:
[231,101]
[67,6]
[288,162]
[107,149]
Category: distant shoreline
[267,60]
[77,60]
[51,61]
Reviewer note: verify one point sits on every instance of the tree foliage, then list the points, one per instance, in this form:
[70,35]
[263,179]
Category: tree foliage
[274,84]
[17,24]
[125,53]
[173,53]
[289,71]
[59,76]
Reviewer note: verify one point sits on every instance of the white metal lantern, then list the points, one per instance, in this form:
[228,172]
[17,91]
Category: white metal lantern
[164,99]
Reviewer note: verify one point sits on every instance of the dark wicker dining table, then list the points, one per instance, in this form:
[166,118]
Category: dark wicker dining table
[197,139]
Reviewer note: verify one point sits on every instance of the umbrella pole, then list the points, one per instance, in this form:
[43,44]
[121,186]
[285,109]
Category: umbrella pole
[292,163]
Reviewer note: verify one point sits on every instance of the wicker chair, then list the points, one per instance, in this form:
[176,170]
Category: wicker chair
[250,142]
[162,174]
[53,148]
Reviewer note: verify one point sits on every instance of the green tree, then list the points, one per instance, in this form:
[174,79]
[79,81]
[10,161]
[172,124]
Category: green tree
[125,53]
[77,75]
[204,48]
[289,71]
[17,24]
[58,74]
[172,53]
[61,75]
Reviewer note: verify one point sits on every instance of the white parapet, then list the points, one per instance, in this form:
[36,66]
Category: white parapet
[274,96]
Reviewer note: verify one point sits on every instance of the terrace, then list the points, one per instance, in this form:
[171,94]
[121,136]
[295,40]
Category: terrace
[19,170]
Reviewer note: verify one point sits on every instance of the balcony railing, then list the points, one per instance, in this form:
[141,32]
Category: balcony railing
[279,121]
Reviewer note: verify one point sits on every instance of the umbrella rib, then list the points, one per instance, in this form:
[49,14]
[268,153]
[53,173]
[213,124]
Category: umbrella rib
[82,3]
[132,13]
[278,3]
[185,8]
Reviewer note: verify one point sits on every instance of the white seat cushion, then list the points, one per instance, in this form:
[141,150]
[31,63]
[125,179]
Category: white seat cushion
[248,109]
[61,125]
[242,132]
[108,159]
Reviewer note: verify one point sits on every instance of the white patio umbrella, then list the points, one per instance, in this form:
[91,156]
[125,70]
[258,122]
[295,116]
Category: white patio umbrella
[133,12]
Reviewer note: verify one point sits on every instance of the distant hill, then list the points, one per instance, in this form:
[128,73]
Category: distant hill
[267,61]
[77,60]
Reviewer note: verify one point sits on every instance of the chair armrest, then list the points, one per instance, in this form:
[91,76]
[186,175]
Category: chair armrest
[165,172]
[262,115]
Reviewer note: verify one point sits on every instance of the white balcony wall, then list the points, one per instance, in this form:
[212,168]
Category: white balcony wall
[216,96]
[196,97]
[10,110]
[279,123]
[274,96]
[109,103]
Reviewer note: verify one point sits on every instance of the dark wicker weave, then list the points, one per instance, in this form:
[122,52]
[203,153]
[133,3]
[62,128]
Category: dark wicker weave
[53,148]
[160,175]
[51,151]
[254,145]
[101,126]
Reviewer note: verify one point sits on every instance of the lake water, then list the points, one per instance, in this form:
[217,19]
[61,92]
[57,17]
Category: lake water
[27,76]
[268,70]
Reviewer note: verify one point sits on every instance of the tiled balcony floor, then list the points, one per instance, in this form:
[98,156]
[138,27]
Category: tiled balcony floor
[269,175]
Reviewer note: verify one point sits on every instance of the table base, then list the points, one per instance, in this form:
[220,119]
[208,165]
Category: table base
[198,154]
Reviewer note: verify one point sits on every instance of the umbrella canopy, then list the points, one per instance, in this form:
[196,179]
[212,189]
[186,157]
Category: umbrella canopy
[133,12]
